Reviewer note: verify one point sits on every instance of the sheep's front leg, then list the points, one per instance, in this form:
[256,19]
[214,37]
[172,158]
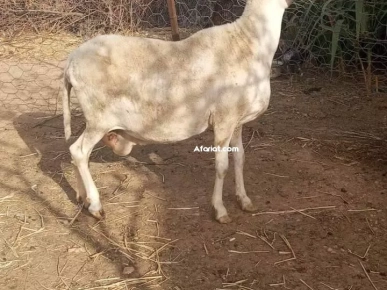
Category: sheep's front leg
[80,153]
[222,139]
[221,165]
[239,159]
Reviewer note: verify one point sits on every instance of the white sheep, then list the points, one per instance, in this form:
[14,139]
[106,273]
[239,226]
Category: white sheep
[152,91]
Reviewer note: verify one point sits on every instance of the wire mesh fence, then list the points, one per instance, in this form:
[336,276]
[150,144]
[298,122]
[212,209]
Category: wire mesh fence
[92,17]
[337,37]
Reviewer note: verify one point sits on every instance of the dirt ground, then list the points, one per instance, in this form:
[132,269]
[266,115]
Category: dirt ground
[316,167]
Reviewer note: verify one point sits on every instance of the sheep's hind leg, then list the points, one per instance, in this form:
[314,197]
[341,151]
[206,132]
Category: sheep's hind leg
[80,153]
[239,158]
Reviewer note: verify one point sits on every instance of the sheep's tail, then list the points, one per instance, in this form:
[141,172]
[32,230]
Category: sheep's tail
[66,107]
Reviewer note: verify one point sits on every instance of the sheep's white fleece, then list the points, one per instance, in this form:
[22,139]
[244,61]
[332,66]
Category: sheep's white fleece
[159,91]
[170,89]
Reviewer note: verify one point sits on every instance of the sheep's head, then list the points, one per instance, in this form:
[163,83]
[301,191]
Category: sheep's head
[288,2]
[285,3]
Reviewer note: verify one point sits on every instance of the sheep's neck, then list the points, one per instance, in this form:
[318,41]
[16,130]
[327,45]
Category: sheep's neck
[260,25]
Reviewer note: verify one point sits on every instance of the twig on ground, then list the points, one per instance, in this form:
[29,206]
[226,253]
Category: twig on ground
[28,155]
[267,242]
[369,226]
[157,226]
[44,287]
[205,248]
[248,252]
[59,272]
[361,257]
[294,210]
[163,177]
[290,248]
[237,283]
[160,198]
[362,210]
[131,281]
[41,218]
[368,276]
[303,282]
[156,237]
[305,214]
[162,247]
[183,208]
[333,194]
[76,215]
[245,234]
[121,183]
[7,197]
[329,286]
[283,283]
[276,175]
[307,197]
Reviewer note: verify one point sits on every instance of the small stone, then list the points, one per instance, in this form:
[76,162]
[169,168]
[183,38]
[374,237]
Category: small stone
[20,216]
[76,250]
[330,250]
[64,222]
[128,270]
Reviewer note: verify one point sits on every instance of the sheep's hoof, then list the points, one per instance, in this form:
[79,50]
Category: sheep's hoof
[83,203]
[249,207]
[99,215]
[224,219]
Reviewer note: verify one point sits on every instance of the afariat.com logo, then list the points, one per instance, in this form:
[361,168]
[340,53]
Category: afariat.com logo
[215,149]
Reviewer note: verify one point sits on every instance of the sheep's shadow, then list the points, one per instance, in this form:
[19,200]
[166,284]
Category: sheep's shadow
[43,134]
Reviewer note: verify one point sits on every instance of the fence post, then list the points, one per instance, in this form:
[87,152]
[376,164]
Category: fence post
[173,18]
